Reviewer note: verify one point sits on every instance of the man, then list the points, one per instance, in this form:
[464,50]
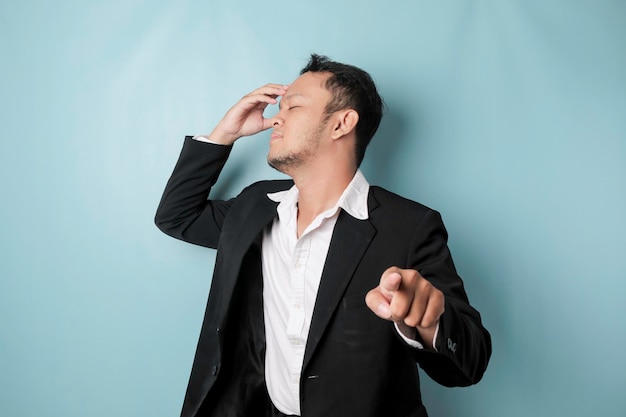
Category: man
[326,291]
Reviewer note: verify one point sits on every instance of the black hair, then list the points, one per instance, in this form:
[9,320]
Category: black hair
[351,88]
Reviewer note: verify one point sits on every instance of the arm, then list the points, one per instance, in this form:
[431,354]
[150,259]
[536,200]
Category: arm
[428,296]
[184,211]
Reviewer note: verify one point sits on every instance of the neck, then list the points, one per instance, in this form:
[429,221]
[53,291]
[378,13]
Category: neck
[319,191]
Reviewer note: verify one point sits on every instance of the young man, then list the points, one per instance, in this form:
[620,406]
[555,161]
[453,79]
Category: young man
[326,291]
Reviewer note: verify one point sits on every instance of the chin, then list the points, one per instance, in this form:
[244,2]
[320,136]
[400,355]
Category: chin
[284,163]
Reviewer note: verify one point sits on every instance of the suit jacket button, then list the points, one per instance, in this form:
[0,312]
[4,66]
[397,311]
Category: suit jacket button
[214,370]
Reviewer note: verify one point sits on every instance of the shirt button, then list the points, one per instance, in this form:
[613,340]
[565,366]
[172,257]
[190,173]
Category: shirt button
[214,370]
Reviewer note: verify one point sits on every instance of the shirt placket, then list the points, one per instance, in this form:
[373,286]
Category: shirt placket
[295,325]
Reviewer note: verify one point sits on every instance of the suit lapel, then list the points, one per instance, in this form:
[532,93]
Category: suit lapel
[262,214]
[244,230]
[252,216]
[350,240]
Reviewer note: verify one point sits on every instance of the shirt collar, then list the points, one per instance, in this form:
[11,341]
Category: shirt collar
[353,199]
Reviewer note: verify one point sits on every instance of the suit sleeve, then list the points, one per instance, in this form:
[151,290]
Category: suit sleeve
[185,211]
[463,344]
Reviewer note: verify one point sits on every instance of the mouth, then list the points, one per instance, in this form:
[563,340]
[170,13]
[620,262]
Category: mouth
[275,136]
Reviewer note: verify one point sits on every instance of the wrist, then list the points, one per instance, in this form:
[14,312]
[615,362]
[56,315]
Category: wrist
[221,138]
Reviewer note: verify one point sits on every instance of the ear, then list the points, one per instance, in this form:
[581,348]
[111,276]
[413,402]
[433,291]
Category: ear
[344,123]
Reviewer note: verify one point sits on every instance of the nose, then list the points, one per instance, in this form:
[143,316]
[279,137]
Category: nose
[277,121]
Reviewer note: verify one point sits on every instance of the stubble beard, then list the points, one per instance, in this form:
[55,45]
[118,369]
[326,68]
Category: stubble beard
[286,163]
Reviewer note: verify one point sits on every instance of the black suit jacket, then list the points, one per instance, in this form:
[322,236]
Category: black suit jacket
[355,364]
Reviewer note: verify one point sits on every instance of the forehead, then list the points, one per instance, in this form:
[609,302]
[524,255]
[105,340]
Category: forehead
[309,85]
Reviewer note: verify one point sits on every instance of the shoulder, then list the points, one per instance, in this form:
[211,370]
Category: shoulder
[403,218]
[390,200]
[253,204]
[258,191]
[393,210]
[264,187]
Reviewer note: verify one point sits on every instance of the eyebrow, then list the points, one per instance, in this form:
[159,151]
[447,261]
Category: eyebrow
[288,97]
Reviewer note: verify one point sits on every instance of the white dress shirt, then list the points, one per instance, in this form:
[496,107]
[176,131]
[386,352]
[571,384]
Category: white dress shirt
[292,268]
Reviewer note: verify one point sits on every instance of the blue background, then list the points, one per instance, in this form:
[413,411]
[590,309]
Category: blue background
[509,117]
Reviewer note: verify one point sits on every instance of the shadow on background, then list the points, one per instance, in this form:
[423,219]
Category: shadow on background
[385,147]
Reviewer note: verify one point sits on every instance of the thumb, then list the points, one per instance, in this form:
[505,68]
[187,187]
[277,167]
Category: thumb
[390,283]
[378,303]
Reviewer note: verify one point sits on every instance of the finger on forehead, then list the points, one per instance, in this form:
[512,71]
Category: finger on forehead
[278,89]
